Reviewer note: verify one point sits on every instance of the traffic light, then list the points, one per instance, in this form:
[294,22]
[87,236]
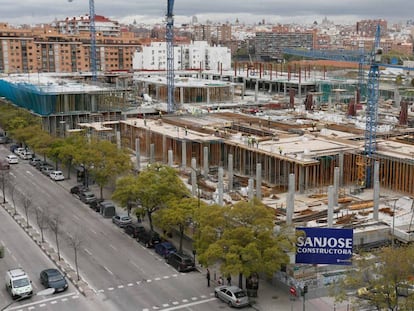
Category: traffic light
[304,290]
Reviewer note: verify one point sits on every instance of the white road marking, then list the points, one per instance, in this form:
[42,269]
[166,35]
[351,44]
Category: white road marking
[189,304]
[76,217]
[120,286]
[113,247]
[130,284]
[27,305]
[110,288]
[165,305]
[88,251]
[175,303]
[157,279]
[194,298]
[53,302]
[65,299]
[93,231]
[42,305]
[29,173]
[185,300]
[166,277]
[109,271]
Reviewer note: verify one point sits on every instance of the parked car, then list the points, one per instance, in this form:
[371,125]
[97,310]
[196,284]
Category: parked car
[121,220]
[87,197]
[133,229]
[4,139]
[47,169]
[95,205]
[18,150]
[75,190]
[34,161]
[53,278]
[164,249]
[56,175]
[232,295]
[148,238]
[107,209]
[25,154]
[39,165]
[181,261]
[13,147]
[12,159]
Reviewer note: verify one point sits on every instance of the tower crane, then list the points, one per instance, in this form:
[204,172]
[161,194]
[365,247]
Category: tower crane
[93,39]
[92,30]
[372,59]
[169,36]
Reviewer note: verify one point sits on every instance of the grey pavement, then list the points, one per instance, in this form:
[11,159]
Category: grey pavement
[272,295]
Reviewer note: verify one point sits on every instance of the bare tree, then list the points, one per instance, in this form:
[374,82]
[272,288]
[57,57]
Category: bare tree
[75,241]
[11,184]
[42,218]
[4,174]
[54,223]
[27,205]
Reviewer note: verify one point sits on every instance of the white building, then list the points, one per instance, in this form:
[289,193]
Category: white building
[196,55]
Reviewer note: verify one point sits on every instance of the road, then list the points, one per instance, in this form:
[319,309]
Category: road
[122,273]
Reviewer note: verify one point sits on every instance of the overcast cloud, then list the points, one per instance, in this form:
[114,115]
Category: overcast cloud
[247,11]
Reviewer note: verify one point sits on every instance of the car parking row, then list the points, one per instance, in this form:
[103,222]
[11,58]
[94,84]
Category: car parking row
[148,238]
[47,169]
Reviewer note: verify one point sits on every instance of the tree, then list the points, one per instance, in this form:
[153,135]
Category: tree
[109,163]
[241,238]
[42,220]
[178,214]
[152,189]
[70,146]
[12,192]
[75,241]
[379,277]
[54,223]
[4,174]
[27,206]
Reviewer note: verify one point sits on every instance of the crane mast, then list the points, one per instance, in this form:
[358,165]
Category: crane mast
[371,112]
[170,56]
[93,39]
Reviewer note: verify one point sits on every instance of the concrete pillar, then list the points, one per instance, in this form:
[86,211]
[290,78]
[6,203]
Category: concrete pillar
[137,154]
[331,202]
[301,179]
[290,200]
[376,190]
[66,102]
[336,185]
[157,92]
[118,139]
[220,186]
[243,91]
[208,96]
[256,91]
[193,177]
[270,88]
[250,187]
[152,153]
[170,158]
[284,89]
[93,103]
[205,161]
[341,169]
[183,154]
[259,181]
[164,148]
[182,96]
[230,172]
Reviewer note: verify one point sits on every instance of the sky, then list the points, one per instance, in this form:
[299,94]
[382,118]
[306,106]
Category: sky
[246,11]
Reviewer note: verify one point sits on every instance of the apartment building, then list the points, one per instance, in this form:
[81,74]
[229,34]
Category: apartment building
[50,49]
[196,55]
[270,45]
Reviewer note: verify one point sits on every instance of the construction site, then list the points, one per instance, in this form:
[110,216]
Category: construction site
[320,146]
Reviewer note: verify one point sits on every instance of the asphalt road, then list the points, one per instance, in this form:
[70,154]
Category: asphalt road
[123,274]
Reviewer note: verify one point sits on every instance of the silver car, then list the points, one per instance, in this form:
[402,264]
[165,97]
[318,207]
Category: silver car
[232,295]
[121,220]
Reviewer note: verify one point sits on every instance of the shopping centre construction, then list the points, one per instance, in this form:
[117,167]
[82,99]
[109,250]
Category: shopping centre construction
[293,138]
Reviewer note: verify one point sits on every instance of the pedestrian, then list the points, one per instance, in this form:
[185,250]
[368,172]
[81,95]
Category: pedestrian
[229,280]
[220,280]
[208,277]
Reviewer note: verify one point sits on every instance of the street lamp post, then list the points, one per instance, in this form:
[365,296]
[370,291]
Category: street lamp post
[45,292]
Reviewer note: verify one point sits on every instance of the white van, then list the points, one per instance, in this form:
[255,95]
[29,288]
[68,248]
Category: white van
[18,283]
